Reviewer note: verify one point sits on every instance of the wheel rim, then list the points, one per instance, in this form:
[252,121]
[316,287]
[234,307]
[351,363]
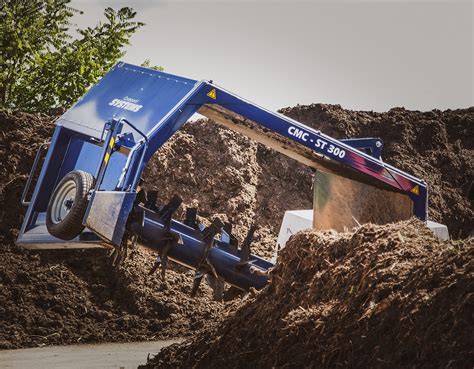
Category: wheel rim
[63,202]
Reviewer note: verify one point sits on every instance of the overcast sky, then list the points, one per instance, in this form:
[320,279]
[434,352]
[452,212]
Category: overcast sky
[370,55]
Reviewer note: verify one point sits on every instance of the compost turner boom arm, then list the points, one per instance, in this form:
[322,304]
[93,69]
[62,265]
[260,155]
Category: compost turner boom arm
[353,158]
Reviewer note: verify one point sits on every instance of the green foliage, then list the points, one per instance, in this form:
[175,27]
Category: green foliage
[42,66]
[147,64]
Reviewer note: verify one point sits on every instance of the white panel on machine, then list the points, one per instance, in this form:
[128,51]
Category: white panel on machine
[293,222]
[440,230]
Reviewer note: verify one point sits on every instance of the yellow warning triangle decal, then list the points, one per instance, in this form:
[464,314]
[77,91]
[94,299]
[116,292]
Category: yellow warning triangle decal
[212,94]
[415,190]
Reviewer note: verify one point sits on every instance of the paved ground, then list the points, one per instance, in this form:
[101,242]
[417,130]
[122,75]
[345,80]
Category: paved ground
[101,356]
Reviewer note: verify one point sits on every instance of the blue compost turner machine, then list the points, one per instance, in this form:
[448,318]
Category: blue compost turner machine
[88,189]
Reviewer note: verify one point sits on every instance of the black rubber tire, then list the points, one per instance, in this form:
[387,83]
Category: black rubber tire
[71,226]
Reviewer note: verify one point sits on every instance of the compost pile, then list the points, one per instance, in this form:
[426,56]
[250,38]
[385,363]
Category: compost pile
[388,296]
[60,297]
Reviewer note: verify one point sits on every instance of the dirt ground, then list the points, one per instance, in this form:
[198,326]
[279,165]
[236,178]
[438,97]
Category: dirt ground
[62,297]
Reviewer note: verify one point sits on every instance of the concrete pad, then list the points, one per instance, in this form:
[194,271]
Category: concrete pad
[97,356]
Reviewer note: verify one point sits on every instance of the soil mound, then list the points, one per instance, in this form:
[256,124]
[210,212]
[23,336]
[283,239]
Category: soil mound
[383,296]
[20,137]
[66,297]
[437,146]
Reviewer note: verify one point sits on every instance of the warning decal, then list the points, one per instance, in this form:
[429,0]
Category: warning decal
[212,94]
[415,190]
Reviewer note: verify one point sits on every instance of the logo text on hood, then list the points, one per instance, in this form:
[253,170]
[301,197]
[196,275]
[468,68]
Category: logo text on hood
[127,104]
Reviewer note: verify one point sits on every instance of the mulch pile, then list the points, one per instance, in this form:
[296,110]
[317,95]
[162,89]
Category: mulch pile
[381,297]
[60,297]
[66,297]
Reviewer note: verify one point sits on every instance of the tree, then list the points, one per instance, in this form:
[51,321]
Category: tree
[42,66]
[147,64]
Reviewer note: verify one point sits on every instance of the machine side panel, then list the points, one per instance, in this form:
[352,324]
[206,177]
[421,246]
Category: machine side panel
[85,155]
[108,214]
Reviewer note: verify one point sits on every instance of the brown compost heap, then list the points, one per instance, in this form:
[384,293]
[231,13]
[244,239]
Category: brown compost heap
[62,297]
[388,296]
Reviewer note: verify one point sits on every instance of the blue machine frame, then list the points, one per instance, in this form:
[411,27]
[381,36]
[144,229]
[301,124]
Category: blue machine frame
[116,127]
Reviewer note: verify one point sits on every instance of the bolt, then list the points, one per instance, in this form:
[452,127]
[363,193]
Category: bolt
[68,203]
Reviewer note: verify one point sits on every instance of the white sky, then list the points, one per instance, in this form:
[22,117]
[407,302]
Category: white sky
[370,55]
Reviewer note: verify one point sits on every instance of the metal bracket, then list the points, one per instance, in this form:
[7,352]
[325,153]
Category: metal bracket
[151,199]
[113,128]
[228,237]
[371,146]
[191,218]
[204,265]
[167,212]
[32,173]
[169,238]
[245,249]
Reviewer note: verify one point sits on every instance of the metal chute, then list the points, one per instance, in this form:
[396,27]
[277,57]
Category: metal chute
[343,203]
